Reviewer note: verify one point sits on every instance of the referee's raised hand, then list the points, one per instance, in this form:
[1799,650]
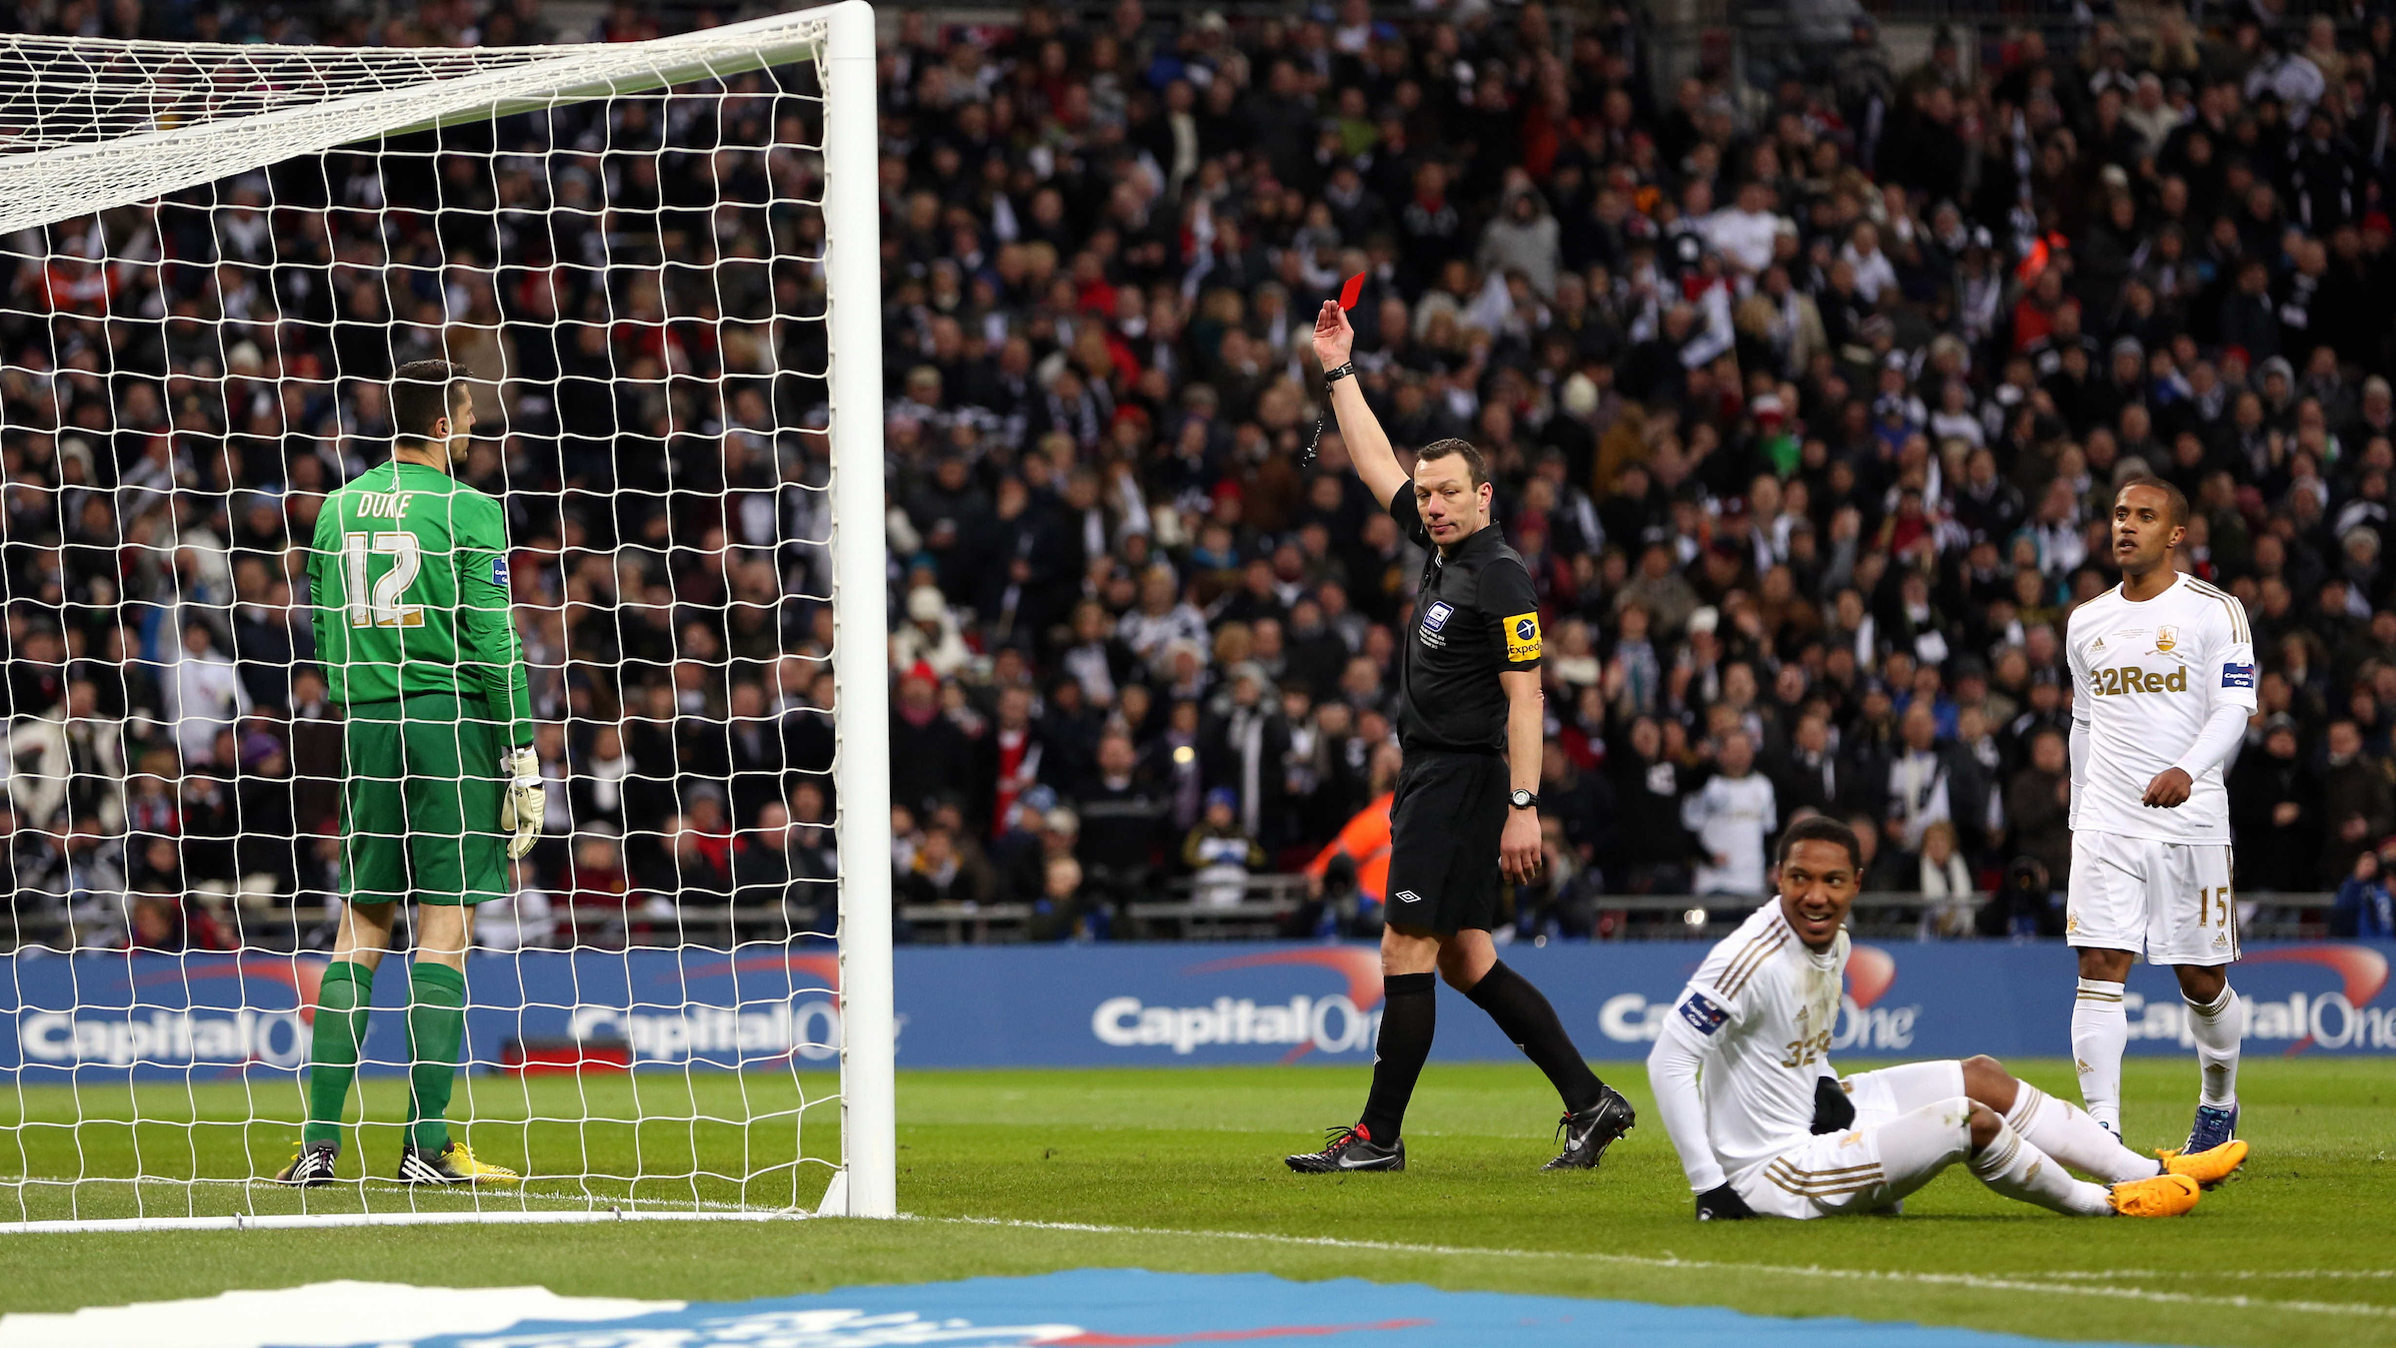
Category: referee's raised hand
[1334,339]
[1368,446]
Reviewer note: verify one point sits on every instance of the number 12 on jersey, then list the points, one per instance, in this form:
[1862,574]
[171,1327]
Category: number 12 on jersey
[384,609]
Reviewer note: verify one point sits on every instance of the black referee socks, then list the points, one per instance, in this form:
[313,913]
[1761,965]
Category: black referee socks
[1523,1013]
[1409,1010]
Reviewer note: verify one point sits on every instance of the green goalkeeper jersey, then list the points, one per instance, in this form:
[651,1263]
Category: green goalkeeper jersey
[410,584]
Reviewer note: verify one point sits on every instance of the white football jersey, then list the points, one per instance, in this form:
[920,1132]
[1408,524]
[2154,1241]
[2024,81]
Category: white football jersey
[2144,678]
[1764,1007]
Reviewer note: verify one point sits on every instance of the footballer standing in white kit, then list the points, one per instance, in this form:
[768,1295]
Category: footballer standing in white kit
[1766,1128]
[2163,681]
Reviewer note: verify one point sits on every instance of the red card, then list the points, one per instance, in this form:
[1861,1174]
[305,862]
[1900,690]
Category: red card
[1349,292]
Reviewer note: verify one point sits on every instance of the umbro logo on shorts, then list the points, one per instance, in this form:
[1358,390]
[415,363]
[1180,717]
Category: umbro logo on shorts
[1408,896]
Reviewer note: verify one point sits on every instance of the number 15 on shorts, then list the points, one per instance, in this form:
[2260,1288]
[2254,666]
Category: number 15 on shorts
[2213,907]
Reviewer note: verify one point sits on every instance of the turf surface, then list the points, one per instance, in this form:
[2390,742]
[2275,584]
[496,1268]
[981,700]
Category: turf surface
[1181,1168]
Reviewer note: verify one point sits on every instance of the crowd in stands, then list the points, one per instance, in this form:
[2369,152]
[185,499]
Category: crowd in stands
[1806,386]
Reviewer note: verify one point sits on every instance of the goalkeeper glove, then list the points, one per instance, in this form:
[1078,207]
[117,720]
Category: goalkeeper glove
[525,801]
[1722,1204]
[1832,1109]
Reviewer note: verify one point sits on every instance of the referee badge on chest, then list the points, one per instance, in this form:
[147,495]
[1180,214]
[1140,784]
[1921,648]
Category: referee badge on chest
[1435,621]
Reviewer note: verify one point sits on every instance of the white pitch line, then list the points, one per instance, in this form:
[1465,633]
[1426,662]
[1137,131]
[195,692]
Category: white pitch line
[2212,1273]
[375,1185]
[1971,1280]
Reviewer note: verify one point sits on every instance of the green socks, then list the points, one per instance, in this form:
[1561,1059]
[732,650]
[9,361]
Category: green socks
[342,1000]
[436,1029]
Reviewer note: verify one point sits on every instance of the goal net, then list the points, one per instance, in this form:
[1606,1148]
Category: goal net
[658,263]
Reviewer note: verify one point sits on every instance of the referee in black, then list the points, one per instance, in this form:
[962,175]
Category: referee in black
[1470,721]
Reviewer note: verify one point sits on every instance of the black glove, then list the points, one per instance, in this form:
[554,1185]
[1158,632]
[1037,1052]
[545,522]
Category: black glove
[1832,1109]
[1722,1204]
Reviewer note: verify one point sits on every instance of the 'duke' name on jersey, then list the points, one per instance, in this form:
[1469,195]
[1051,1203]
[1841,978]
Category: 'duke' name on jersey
[384,505]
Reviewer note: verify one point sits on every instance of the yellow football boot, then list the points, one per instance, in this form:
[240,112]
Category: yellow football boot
[2207,1168]
[2162,1196]
[453,1164]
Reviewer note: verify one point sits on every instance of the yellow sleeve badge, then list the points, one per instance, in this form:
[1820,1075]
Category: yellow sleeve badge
[1522,638]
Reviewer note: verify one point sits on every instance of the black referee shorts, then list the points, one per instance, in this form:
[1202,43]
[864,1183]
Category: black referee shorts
[1444,827]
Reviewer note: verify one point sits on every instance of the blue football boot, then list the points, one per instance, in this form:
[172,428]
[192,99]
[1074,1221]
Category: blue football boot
[2215,1125]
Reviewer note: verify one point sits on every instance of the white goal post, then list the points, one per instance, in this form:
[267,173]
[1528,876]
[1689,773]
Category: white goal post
[96,132]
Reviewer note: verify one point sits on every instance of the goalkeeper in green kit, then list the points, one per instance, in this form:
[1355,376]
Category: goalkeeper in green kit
[409,582]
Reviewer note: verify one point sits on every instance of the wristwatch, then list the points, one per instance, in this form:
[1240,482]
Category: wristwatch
[1524,800]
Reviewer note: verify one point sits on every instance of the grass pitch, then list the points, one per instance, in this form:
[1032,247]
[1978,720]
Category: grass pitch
[1179,1169]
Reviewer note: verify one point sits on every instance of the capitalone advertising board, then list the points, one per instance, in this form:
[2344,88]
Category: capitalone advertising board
[206,1016]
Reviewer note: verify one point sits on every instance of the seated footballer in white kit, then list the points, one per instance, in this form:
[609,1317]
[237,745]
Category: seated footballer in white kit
[1765,1127]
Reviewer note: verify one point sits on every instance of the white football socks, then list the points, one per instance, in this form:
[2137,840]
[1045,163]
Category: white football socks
[2064,1132]
[2100,1029]
[2018,1170]
[2218,1028]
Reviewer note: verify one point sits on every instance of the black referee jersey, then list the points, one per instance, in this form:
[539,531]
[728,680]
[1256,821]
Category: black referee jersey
[1475,616]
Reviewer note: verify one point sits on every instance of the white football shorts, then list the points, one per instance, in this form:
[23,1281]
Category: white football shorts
[1911,1122]
[2171,902]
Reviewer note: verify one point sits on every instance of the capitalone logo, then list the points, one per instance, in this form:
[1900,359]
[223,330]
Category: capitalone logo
[2341,1019]
[1870,970]
[1863,1023]
[1337,1022]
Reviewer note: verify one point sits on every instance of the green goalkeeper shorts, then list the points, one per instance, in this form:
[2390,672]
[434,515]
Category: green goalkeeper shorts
[420,803]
